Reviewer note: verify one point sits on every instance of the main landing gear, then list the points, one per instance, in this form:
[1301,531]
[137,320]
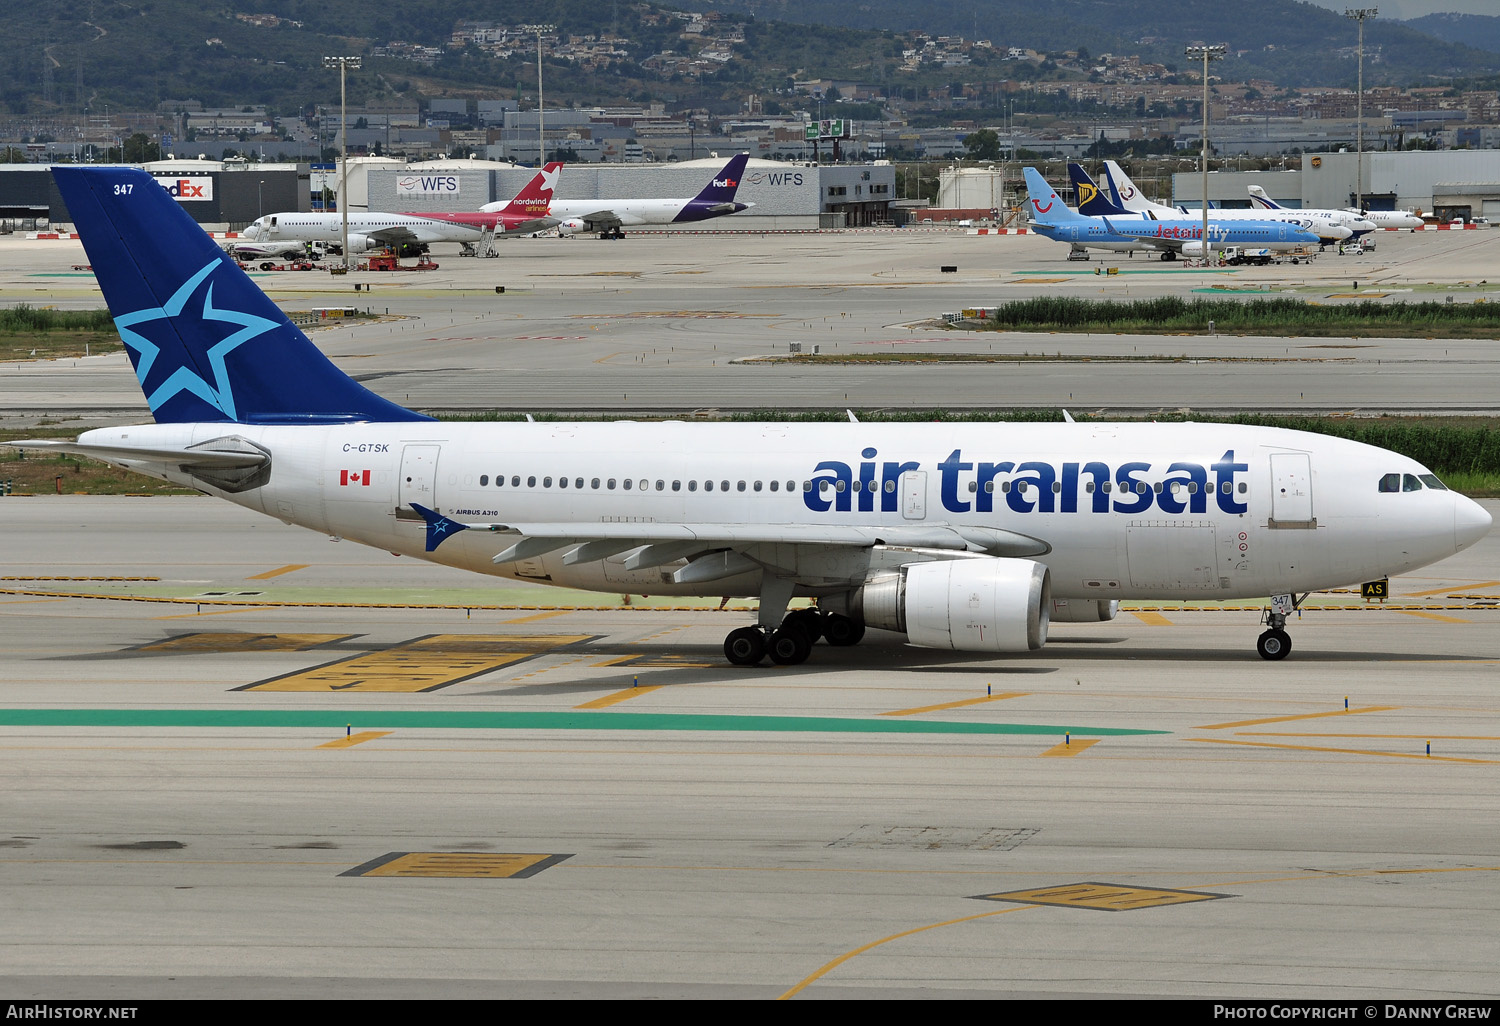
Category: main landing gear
[787,637]
[1275,643]
[791,643]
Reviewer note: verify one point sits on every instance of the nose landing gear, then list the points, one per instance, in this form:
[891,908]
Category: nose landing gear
[1275,643]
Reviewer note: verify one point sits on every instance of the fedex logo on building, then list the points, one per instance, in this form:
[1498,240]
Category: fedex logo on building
[187,190]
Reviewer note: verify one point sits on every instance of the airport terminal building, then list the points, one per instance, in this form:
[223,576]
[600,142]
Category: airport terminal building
[787,196]
[225,196]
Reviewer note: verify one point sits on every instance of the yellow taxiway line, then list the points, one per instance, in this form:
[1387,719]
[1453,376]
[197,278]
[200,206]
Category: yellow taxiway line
[1303,716]
[956,705]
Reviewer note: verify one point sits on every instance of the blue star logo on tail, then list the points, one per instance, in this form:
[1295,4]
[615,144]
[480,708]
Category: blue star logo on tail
[185,377]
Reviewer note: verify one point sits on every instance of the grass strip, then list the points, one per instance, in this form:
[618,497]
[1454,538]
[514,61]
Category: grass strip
[1262,316]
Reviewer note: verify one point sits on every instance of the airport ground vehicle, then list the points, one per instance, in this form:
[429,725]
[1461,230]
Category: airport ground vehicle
[1247,255]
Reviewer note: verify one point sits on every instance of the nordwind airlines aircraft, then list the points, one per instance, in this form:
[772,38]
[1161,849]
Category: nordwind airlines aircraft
[609,217]
[525,214]
[970,537]
[1052,218]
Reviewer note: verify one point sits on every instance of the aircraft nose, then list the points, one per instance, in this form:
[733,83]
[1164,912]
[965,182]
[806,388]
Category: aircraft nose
[1471,521]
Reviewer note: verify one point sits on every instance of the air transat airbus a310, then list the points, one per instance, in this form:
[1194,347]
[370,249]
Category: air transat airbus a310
[970,537]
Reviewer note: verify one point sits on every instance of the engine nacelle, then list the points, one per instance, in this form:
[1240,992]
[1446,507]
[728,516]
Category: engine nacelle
[572,226]
[361,244]
[1084,610]
[969,605]
[1192,249]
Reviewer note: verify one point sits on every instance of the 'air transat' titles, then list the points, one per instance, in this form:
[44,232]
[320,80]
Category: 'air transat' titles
[1031,486]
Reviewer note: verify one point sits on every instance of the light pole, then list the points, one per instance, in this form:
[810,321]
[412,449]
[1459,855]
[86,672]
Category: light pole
[343,64]
[541,138]
[1359,14]
[260,198]
[1208,53]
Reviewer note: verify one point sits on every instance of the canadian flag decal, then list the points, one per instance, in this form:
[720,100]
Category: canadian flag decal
[354,477]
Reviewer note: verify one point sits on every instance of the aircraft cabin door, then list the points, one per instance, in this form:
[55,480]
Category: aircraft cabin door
[1291,489]
[418,478]
[914,495]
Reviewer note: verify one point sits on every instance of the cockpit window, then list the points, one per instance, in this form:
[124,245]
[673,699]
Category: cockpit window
[1431,481]
[1409,483]
[1390,483]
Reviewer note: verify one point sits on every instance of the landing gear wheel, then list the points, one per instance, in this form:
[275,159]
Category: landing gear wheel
[1274,644]
[808,621]
[788,646]
[745,647]
[842,630]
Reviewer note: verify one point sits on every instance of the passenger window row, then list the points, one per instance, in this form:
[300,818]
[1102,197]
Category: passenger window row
[629,484]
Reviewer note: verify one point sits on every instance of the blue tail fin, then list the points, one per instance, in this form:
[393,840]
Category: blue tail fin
[206,343]
[722,187]
[1047,206]
[1114,186]
[1091,201]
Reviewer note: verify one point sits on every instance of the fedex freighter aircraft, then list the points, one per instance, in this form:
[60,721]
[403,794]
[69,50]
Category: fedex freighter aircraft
[961,536]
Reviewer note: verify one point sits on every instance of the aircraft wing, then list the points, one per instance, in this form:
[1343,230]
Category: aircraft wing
[395,235]
[219,453]
[601,219]
[534,224]
[591,541]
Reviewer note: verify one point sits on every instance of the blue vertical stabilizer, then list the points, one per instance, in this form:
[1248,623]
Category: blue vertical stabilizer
[206,342]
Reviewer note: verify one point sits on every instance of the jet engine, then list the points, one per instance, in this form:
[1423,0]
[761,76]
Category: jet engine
[362,244]
[969,605]
[1084,610]
[572,226]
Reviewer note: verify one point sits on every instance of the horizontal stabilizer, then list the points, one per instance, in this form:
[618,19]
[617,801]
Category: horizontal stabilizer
[226,458]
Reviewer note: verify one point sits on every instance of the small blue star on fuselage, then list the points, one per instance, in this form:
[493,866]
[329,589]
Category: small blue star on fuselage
[184,378]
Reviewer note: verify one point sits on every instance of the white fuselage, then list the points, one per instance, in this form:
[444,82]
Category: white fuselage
[1393,219]
[329,227]
[1121,510]
[626,211]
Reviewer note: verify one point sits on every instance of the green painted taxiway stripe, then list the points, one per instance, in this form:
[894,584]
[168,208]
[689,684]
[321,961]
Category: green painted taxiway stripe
[370,719]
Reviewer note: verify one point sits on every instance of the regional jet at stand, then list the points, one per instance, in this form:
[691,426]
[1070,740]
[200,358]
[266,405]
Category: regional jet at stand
[609,217]
[968,537]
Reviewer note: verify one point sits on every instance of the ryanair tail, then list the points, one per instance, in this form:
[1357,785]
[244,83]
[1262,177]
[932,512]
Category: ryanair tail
[1092,201]
[1047,207]
[206,343]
